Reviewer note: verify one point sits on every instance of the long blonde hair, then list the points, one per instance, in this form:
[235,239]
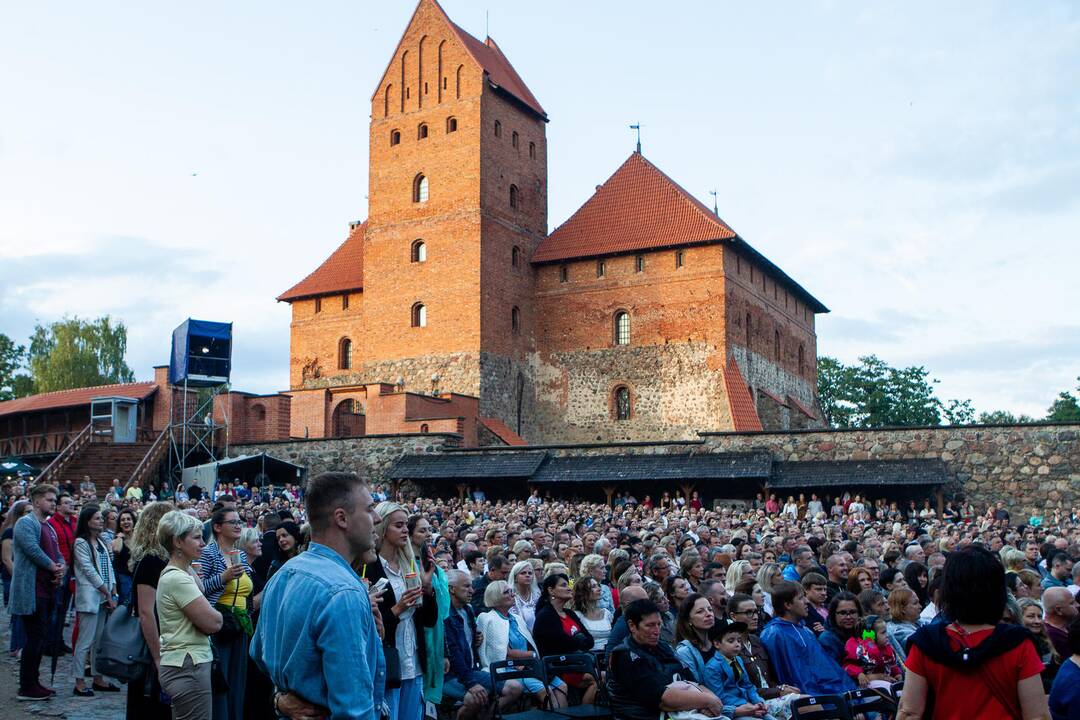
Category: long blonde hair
[144,539]
[406,560]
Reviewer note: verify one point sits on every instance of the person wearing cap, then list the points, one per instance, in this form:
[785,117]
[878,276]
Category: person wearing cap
[726,676]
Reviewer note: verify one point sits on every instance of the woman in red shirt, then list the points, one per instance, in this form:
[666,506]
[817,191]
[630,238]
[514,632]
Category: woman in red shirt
[975,666]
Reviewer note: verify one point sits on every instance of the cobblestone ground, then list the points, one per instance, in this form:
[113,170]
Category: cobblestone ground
[104,706]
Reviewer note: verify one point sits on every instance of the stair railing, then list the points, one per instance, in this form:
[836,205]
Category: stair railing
[69,453]
[151,459]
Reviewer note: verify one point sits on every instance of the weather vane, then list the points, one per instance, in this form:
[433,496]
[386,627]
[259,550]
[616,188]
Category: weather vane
[715,208]
[637,126]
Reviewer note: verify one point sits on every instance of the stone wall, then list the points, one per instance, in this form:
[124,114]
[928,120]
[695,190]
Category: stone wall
[1025,465]
[370,456]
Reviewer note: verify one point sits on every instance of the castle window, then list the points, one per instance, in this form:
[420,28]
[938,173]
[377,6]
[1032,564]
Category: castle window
[344,302]
[421,131]
[678,258]
[395,137]
[318,305]
[451,124]
[515,319]
[621,398]
[457,87]
[444,83]
[514,139]
[420,189]
[515,256]
[344,354]
[386,100]
[776,344]
[532,150]
[639,263]
[601,268]
[802,362]
[514,199]
[418,253]
[424,428]
[622,328]
[564,273]
[498,129]
[419,315]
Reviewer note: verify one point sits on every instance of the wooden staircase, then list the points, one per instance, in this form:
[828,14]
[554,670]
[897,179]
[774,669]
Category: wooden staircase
[104,461]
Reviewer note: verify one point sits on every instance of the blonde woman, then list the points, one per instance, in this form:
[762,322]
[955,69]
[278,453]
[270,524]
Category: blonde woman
[768,575]
[187,620]
[148,560]
[593,566]
[522,581]
[736,572]
[406,609]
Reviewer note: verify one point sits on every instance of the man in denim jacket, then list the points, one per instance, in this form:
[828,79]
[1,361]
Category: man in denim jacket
[316,638]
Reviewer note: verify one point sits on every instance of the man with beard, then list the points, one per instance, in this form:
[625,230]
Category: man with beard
[316,638]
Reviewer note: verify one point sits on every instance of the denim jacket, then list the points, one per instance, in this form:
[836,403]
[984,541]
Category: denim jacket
[459,640]
[316,636]
[720,678]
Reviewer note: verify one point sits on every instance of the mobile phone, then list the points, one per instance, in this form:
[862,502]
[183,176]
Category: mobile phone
[380,584]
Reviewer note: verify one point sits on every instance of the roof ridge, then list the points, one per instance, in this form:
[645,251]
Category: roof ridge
[698,205]
[88,387]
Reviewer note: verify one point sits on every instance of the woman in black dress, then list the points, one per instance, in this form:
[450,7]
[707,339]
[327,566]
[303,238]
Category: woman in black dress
[144,697]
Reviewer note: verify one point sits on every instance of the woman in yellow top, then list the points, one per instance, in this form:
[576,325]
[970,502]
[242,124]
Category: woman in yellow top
[186,619]
[227,584]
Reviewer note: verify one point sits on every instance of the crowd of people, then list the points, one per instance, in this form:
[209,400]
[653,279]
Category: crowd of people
[336,600]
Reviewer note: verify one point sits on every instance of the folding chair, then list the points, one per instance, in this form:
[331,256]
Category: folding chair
[821,707]
[583,663]
[866,700]
[519,669]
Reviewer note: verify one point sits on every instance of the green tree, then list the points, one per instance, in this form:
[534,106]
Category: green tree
[1004,417]
[11,359]
[1065,408]
[74,353]
[874,394]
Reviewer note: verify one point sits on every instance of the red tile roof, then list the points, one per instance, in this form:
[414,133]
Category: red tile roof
[638,208]
[802,408]
[499,70]
[341,272]
[76,397]
[503,432]
[743,412]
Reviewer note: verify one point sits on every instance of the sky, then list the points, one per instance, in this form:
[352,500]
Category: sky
[915,166]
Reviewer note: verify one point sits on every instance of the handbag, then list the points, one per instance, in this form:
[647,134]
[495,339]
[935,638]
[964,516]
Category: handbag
[122,652]
[230,626]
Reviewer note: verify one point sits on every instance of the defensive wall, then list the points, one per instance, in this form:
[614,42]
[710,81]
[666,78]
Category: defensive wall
[1026,466]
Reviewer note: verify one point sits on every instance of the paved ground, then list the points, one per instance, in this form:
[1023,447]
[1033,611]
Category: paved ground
[104,706]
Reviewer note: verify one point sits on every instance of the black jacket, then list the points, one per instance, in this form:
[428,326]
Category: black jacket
[550,637]
[638,676]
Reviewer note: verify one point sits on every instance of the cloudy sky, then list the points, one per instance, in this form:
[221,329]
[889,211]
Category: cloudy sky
[916,166]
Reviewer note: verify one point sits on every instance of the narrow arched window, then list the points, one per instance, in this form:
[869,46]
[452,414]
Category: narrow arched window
[420,189]
[386,100]
[457,87]
[514,139]
[747,331]
[515,200]
[622,328]
[678,258]
[564,273]
[419,252]
[515,319]
[802,361]
[424,428]
[601,268]
[639,263]
[451,124]
[498,129]
[515,256]
[395,137]
[421,131]
[622,403]
[419,315]
[345,354]
[532,150]
[776,345]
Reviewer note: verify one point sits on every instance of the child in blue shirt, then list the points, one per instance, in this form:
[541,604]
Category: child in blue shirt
[726,675]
